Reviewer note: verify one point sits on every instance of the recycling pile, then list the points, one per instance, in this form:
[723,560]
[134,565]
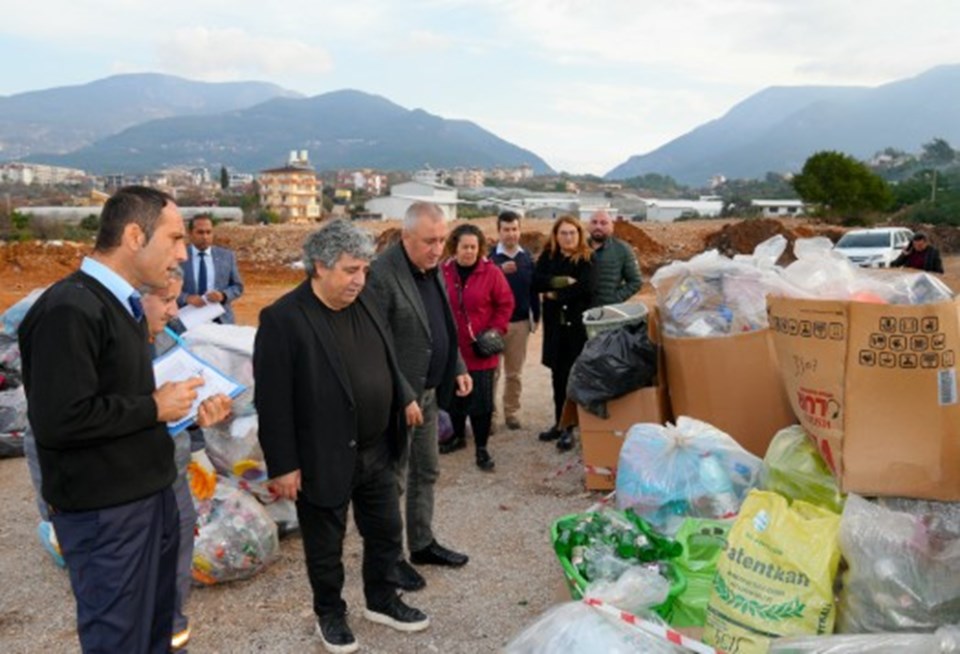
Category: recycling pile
[13,401]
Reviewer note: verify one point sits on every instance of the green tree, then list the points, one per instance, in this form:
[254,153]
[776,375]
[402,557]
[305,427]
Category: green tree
[840,184]
[224,178]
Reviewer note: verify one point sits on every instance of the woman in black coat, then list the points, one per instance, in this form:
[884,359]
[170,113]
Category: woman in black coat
[562,275]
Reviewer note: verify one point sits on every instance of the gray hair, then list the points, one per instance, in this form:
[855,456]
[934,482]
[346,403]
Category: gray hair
[420,210]
[326,245]
[174,274]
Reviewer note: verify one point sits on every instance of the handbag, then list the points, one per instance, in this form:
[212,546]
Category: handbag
[489,343]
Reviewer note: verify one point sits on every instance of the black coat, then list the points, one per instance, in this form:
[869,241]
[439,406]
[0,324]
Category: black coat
[563,330]
[307,416]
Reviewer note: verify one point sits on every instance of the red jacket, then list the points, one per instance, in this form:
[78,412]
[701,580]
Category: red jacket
[488,302]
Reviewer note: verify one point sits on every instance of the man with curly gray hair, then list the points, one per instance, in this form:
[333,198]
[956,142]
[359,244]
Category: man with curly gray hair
[332,426]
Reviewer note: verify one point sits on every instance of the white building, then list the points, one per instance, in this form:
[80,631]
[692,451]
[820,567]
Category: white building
[667,211]
[395,205]
[27,173]
[73,215]
[780,208]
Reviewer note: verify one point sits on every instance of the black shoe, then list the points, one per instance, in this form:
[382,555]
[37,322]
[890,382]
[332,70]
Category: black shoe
[551,434]
[335,634]
[565,442]
[453,445]
[437,554]
[409,579]
[484,462]
[397,615]
[287,528]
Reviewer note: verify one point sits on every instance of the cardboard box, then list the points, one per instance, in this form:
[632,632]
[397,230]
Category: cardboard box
[876,387]
[731,382]
[601,439]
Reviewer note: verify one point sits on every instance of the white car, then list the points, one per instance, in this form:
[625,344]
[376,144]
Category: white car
[874,248]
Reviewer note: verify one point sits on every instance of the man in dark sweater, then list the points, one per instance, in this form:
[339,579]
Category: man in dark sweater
[919,254]
[616,276]
[517,265]
[99,422]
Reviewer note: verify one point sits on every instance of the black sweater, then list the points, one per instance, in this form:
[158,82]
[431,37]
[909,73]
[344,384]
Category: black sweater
[89,384]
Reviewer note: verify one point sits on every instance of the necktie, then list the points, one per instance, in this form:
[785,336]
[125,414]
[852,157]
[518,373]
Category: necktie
[136,306]
[202,274]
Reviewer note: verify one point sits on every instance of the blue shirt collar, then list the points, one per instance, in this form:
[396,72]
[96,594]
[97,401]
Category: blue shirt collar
[114,283]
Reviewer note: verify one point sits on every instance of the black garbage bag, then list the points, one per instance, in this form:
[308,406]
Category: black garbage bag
[612,364]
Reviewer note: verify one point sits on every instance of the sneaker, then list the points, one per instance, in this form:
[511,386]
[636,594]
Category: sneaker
[397,615]
[180,640]
[513,424]
[48,538]
[335,634]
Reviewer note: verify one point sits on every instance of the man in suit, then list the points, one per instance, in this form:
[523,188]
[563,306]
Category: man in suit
[331,427]
[210,273]
[105,456]
[413,299]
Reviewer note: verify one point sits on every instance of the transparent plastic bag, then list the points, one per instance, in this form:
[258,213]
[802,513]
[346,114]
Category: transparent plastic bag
[577,627]
[794,468]
[11,318]
[903,559]
[861,644]
[229,349]
[236,537]
[668,473]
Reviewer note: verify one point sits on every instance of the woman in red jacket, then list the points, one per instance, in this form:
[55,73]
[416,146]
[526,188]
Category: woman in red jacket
[481,299]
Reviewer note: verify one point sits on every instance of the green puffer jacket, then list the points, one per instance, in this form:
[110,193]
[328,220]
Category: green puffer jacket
[616,276]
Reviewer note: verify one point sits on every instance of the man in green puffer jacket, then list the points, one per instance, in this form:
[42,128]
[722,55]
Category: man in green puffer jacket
[616,275]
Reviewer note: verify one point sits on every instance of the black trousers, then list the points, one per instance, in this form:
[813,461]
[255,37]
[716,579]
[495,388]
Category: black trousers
[376,511]
[560,373]
[123,570]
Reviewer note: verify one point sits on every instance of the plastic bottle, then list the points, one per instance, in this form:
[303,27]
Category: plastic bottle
[722,501]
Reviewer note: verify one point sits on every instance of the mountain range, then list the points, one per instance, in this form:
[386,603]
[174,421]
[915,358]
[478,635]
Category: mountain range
[246,126]
[777,129]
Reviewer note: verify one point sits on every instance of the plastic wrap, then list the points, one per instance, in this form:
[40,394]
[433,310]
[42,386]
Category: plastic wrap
[612,364]
[13,422]
[229,348]
[444,426]
[236,537]
[668,473]
[11,318]
[868,644]
[794,468]
[577,627]
[776,575]
[903,560]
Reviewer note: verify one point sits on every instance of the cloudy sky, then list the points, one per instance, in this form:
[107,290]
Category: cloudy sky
[583,83]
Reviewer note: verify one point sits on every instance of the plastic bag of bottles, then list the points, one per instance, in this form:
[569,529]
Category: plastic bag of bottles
[236,537]
[11,318]
[229,349]
[577,627]
[703,542]
[794,468]
[903,560]
[13,422]
[444,426]
[612,364]
[668,473]
[946,640]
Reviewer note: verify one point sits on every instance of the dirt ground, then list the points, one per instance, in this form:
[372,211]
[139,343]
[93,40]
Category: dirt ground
[501,519]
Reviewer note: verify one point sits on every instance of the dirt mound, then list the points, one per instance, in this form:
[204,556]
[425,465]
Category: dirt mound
[945,238]
[43,258]
[533,242]
[387,238]
[743,237]
[650,253]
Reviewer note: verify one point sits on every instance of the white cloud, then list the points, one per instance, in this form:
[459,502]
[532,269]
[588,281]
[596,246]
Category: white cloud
[232,53]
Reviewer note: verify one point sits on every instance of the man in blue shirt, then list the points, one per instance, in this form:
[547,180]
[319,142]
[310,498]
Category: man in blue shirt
[517,264]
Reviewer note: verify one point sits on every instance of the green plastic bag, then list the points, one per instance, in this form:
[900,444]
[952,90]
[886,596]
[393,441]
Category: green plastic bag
[793,468]
[703,542]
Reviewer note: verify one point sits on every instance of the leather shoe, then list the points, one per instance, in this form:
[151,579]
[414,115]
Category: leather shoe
[565,442]
[453,445]
[484,461]
[408,578]
[551,434]
[437,554]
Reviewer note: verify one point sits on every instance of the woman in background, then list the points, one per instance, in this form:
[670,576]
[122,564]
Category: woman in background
[562,275]
[481,299]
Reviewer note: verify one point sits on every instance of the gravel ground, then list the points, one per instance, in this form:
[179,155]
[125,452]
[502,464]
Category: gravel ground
[500,519]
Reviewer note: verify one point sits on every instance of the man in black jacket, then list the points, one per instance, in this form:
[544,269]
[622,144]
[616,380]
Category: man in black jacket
[105,455]
[329,402]
[919,254]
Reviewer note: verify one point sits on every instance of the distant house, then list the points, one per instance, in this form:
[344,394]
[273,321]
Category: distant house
[780,208]
[293,191]
[74,215]
[395,205]
[666,211]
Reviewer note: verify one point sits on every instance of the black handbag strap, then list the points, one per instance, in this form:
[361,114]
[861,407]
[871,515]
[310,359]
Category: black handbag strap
[463,310]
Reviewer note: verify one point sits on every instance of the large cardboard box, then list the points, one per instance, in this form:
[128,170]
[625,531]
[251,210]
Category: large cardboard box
[601,439]
[876,386]
[731,382]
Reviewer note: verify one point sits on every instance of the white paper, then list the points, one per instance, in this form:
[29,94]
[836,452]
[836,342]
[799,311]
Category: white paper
[179,364]
[192,316]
